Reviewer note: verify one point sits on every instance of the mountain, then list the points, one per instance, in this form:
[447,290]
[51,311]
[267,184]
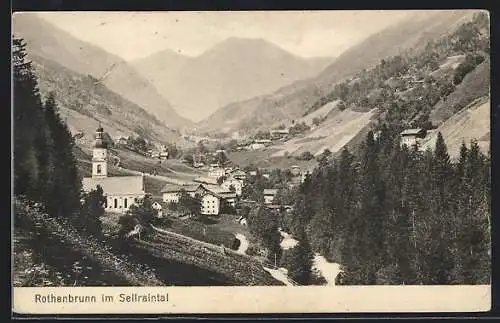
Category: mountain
[49,42]
[233,70]
[293,101]
[83,103]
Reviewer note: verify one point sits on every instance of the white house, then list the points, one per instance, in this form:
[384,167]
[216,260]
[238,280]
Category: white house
[239,174]
[210,203]
[171,193]
[269,195]
[120,192]
[295,170]
[412,137]
[236,183]
[216,173]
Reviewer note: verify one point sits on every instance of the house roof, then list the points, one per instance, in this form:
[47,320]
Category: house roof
[238,172]
[409,132]
[270,191]
[206,180]
[170,188]
[209,192]
[116,185]
[227,195]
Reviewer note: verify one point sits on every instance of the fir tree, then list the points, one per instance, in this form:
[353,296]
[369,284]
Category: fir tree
[299,260]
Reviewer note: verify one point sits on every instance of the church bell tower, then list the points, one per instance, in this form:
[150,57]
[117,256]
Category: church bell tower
[99,155]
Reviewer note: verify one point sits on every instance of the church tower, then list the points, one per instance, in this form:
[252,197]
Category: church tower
[99,155]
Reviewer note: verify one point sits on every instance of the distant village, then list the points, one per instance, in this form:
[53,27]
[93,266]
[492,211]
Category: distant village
[222,185]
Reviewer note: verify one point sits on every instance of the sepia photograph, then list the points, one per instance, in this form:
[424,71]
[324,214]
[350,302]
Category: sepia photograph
[318,149]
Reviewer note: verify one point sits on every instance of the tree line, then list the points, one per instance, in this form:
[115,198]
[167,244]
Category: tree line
[45,169]
[391,214]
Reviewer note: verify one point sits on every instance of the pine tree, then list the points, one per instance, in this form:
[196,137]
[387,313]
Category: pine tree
[27,117]
[299,261]
[441,223]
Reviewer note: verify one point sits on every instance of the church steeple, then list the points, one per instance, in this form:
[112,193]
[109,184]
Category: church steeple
[99,155]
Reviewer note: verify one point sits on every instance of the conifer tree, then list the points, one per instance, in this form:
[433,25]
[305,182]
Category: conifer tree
[299,260]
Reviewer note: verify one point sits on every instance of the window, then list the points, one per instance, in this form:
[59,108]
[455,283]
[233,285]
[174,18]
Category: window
[116,203]
[125,203]
[99,169]
[105,203]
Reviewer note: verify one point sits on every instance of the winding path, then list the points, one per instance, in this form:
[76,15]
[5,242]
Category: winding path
[243,243]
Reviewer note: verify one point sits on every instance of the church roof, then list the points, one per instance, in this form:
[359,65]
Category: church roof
[116,185]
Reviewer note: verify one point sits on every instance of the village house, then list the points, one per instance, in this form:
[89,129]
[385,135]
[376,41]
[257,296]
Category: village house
[229,197]
[120,192]
[295,170]
[269,195]
[121,140]
[239,175]
[259,144]
[279,133]
[216,172]
[233,182]
[171,193]
[210,203]
[412,137]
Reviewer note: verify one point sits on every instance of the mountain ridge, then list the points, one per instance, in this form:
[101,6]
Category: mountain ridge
[232,70]
[52,43]
[291,101]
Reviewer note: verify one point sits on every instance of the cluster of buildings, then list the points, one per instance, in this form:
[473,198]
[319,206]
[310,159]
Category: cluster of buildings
[221,184]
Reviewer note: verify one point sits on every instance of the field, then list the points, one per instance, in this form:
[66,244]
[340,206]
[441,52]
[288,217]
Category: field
[265,159]
[200,231]
[236,268]
[332,134]
[472,122]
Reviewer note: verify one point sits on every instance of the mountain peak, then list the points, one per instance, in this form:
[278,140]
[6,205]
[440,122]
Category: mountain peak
[242,45]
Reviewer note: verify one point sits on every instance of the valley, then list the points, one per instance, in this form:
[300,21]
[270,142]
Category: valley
[280,170]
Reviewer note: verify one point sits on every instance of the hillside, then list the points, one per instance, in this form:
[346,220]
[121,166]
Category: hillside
[83,103]
[233,70]
[49,42]
[291,102]
[471,123]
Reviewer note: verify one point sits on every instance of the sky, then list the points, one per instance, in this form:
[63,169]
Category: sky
[134,35]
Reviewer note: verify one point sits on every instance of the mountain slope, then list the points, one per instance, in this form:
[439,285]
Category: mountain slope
[291,102]
[233,70]
[50,42]
[83,103]
[470,123]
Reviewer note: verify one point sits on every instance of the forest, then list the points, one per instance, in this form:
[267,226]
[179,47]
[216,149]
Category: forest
[45,169]
[394,215]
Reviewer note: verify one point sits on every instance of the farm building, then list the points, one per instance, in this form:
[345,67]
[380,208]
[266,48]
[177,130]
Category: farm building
[411,137]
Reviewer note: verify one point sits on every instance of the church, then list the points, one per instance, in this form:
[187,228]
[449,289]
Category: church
[120,191]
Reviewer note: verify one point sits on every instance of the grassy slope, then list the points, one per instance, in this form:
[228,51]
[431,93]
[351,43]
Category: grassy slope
[472,122]
[476,84]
